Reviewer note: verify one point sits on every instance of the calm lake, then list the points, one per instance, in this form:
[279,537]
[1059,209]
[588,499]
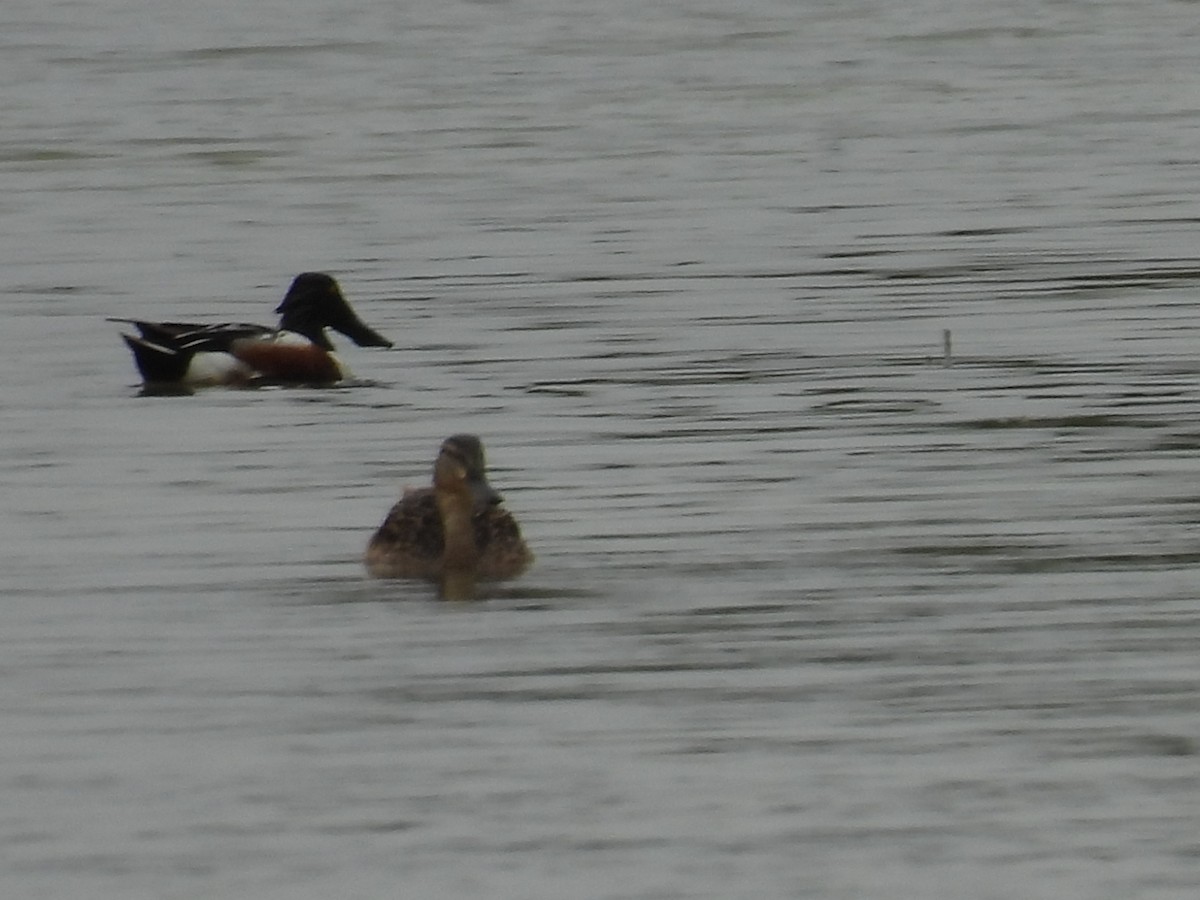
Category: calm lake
[822,607]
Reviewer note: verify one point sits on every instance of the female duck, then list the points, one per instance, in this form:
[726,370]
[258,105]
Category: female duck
[297,352]
[455,532]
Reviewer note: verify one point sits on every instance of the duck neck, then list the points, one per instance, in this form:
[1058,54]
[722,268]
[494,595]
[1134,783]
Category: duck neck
[458,530]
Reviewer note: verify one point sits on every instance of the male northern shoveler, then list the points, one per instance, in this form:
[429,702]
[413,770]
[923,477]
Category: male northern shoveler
[455,532]
[297,352]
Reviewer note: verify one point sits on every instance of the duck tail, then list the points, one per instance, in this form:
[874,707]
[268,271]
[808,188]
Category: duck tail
[156,362]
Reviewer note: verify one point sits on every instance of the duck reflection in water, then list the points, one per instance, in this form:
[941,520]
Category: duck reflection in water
[455,533]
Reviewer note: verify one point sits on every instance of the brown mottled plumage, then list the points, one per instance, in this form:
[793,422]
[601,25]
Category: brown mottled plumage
[455,532]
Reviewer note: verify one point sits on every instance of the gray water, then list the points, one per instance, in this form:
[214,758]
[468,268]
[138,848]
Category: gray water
[818,612]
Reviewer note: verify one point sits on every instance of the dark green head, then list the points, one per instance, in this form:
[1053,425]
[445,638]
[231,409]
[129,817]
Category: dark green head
[314,302]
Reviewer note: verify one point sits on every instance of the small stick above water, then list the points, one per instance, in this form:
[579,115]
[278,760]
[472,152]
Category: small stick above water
[946,357]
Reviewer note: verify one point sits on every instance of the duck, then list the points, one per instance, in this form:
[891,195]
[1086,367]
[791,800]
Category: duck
[455,532]
[298,351]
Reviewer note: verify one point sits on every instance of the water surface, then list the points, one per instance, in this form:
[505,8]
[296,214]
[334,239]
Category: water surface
[817,611]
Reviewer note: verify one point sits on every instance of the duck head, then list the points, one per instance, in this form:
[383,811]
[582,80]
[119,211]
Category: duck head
[460,468]
[314,302]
